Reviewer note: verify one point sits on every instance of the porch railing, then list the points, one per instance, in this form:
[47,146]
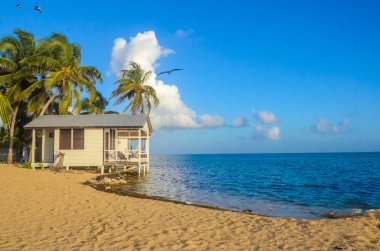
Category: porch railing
[128,155]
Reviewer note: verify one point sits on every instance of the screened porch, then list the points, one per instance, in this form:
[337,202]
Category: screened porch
[126,146]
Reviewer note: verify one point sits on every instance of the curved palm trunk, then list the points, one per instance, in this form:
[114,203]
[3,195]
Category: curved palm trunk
[11,134]
[142,108]
[41,114]
[30,154]
[48,103]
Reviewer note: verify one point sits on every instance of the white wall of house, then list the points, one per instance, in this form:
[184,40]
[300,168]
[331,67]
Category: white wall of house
[91,155]
[146,127]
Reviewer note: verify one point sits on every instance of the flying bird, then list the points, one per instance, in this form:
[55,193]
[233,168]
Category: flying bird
[19,6]
[38,8]
[169,72]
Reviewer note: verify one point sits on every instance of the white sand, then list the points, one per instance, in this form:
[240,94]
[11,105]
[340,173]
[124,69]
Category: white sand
[42,210]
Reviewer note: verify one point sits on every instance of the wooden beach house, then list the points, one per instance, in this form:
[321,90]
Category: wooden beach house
[102,141]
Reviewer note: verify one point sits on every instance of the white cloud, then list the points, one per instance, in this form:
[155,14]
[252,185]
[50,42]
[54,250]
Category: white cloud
[265,131]
[265,117]
[240,121]
[207,120]
[172,112]
[324,127]
[143,49]
[184,33]
[261,132]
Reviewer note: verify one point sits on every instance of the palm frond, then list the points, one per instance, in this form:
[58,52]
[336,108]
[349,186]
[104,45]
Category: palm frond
[90,72]
[27,41]
[6,79]
[10,45]
[36,85]
[66,100]
[5,110]
[78,104]
[55,79]
[40,63]
[7,65]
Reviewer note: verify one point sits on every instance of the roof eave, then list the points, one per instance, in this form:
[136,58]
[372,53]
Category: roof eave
[58,127]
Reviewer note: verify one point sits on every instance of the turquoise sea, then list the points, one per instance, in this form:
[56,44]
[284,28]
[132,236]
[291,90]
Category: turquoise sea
[295,185]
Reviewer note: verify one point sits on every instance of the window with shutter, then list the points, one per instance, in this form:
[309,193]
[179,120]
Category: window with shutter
[78,139]
[65,139]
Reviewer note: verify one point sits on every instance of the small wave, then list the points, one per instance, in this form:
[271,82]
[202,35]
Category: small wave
[344,213]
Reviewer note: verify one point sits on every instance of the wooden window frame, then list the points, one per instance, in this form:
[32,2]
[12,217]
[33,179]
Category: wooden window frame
[78,140]
[67,146]
[73,146]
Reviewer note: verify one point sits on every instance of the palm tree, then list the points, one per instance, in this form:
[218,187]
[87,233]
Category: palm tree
[132,87]
[5,110]
[38,99]
[15,76]
[21,136]
[59,63]
[95,105]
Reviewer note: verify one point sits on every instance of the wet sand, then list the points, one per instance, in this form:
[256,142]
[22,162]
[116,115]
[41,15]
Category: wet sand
[43,210]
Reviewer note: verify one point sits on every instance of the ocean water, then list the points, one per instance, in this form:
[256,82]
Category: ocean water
[294,185]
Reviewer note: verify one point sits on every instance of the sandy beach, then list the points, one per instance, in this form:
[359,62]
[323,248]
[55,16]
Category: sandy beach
[43,210]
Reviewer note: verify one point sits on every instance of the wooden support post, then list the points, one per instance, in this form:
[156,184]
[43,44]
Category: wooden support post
[147,150]
[102,170]
[43,146]
[33,147]
[139,150]
[67,168]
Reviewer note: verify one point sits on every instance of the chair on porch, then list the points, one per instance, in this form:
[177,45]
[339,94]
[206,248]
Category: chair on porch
[58,163]
[133,154]
[121,156]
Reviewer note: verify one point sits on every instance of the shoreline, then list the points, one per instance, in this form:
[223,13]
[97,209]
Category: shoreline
[102,188]
[47,210]
[112,190]
[115,182]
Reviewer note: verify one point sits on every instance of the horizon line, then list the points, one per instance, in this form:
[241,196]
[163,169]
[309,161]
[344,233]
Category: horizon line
[343,152]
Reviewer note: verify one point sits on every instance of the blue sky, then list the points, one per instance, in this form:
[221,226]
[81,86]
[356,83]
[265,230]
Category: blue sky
[309,69]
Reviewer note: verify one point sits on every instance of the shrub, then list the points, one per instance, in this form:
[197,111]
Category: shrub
[26,165]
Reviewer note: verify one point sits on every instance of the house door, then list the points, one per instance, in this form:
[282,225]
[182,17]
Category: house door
[38,146]
[49,146]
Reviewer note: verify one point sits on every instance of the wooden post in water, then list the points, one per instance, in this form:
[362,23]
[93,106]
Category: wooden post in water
[139,151]
[147,149]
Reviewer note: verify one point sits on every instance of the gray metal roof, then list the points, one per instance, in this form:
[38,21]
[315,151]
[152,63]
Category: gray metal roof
[94,120]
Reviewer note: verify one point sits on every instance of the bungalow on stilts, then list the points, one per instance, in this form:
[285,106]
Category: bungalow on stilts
[105,141]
